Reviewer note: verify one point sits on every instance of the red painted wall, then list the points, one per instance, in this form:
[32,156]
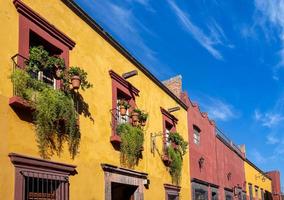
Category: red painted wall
[276,186]
[229,162]
[220,159]
[205,149]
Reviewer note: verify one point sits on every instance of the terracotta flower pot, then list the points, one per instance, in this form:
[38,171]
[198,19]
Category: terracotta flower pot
[135,116]
[143,123]
[167,161]
[135,123]
[76,81]
[122,110]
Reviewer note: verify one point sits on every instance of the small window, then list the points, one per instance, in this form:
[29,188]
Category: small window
[214,193]
[172,192]
[50,181]
[256,192]
[196,135]
[122,118]
[169,128]
[262,194]
[199,191]
[250,192]
[228,195]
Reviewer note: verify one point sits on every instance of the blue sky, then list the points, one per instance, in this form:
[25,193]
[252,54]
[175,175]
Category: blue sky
[229,53]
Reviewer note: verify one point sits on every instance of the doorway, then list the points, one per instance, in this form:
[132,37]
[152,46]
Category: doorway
[121,191]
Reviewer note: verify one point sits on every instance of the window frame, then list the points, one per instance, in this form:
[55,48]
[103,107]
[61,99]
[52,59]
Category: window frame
[32,22]
[122,85]
[196,129]
[198,186]
[172,190]
[24,164]
[250,191]
[171,120]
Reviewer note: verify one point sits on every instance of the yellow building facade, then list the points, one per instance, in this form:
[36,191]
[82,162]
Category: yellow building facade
[258,184]
[97,166]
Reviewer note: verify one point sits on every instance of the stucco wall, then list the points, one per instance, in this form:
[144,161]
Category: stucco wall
[229,162]
[205,149]
[97,57]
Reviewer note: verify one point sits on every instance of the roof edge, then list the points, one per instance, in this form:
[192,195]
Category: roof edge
[92,23]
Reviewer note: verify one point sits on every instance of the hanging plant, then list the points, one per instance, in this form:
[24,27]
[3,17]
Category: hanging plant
[123,106]
[55,117]
[178,142]
[175,155]
[78,78]
[132,139]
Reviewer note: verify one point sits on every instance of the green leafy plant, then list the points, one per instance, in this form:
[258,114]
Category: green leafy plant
[132,139]
[143,116]
[178,140]
[55,117]
[40,60]
[176,164]
[124,103]
[76,71]
[137,110]
[56,122]
[176,155]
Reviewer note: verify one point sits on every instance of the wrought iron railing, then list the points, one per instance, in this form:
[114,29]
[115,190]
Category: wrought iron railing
[117,118]
[20,62]
[38,185]
[228,141]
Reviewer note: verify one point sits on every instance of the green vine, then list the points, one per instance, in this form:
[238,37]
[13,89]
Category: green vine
[132,139]
[55,117]
[176,155]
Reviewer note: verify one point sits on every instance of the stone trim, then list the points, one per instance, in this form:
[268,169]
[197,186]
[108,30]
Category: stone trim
[124,176]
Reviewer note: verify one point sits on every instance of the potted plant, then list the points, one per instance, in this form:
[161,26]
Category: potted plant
[57,65]
[78,78]
[123,106]
[143,118]
[135,114]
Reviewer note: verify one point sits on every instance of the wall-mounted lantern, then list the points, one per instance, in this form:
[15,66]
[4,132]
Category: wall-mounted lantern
[201,162]
[229,176]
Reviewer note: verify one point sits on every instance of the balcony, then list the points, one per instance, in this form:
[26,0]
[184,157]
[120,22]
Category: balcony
[17,102]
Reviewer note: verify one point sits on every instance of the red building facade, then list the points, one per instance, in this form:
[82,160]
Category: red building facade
[276,186]
[216,164]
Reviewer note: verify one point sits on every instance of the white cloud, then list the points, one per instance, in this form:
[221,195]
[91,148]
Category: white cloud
[271,20]
[257,157]
[272,139]
[206,41]
[216,108]
[268,119]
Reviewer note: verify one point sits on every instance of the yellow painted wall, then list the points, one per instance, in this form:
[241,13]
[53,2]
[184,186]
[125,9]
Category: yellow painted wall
[97,57]
[254,177]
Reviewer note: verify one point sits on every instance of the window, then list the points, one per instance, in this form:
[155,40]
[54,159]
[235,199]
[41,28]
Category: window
[199,191]
[50,181]
[121,90]
[172,192]
[196,135]
[214,194]
[34,31]
[250,192]
[256,192]
[262,194]
[228,195]
[169,125]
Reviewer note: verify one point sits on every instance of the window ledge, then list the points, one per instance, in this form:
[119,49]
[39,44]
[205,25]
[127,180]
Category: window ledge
[20,103]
